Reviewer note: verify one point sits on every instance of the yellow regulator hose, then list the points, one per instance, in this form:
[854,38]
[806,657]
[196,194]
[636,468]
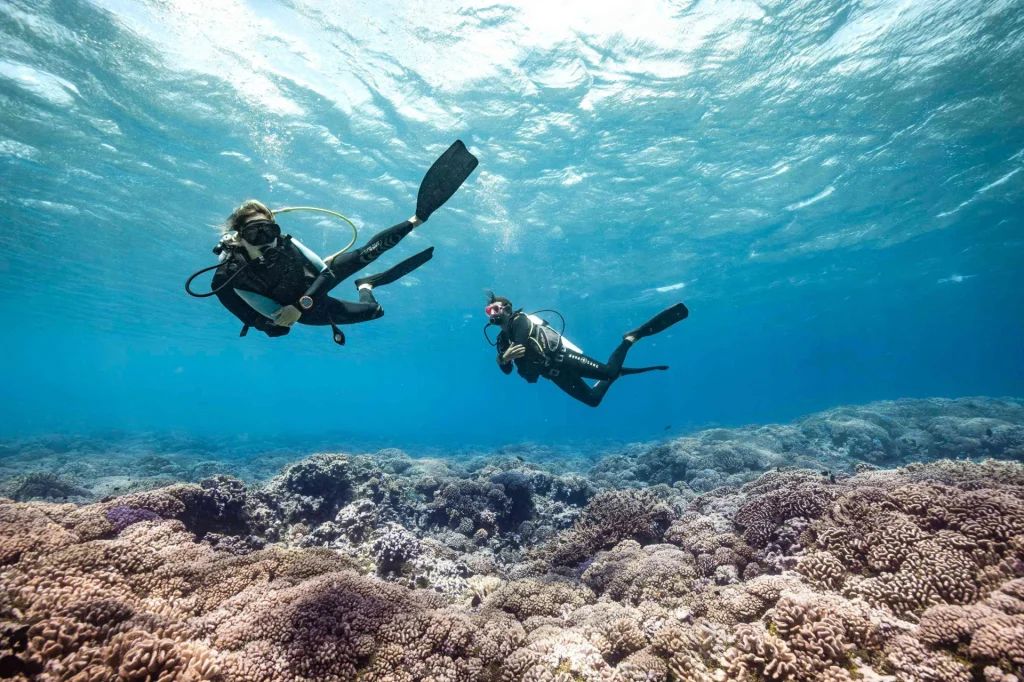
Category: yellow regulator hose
[355,232]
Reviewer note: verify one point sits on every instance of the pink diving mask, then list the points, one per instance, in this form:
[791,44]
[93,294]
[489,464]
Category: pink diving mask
[494,309]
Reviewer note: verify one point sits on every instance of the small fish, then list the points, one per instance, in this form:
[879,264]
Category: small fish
[668,427]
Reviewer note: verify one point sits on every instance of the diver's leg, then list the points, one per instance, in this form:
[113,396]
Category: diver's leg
[578,389]
[344,312]
[618,356]
[589,368]
[344,265]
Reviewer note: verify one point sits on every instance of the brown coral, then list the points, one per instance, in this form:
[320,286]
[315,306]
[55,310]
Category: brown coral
[608,519]
[635,574]
[533,597]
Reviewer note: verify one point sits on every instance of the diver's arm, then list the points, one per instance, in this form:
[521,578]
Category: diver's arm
[325,280]
[240,309]
[271,318]
[313,259]
[230,299]
[502,346]
[519,330]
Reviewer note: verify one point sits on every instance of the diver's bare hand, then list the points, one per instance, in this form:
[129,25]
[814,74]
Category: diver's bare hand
[287,316]
[514,352]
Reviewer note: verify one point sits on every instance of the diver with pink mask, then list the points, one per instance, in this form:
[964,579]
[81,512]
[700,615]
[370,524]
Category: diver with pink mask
[538,350]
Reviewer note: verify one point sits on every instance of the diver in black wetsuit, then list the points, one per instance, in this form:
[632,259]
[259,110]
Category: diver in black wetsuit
[270,281]
[538,350]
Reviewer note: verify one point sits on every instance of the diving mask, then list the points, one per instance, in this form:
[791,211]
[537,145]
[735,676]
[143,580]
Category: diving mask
[494,310]
[260,232]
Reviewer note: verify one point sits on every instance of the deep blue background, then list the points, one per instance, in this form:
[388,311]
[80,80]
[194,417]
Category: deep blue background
[835,185]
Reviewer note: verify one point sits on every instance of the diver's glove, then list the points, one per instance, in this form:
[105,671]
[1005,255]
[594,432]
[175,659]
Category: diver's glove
[513,352]
[287,316]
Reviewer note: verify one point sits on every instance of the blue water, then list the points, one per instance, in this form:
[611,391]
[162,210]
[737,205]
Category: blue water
[834,188]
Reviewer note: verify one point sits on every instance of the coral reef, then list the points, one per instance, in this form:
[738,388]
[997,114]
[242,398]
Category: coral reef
[386,567]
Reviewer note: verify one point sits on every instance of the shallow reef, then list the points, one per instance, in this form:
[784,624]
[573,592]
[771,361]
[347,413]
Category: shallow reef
[787,552]
[70,468]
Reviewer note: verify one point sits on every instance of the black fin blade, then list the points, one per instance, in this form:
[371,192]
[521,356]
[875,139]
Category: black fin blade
[660,322]
[444,178]
[398,271]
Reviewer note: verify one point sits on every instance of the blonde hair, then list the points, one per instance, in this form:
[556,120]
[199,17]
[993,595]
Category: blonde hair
[244,213]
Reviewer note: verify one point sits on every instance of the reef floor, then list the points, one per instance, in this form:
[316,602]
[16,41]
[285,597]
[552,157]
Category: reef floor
[876,542]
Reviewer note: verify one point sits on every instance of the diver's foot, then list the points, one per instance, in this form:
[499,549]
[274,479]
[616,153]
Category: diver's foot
[659,323]
[626,371]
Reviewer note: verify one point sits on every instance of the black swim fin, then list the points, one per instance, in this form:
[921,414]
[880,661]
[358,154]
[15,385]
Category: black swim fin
[625,371]
[398,271]
[660,322]
[444,178]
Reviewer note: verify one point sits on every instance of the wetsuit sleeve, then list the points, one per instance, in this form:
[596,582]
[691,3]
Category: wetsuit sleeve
[502,346]
[324,282]
[519,330]
[240,309]
[309,255]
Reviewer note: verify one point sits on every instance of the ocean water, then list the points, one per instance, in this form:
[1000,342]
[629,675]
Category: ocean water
[834,188]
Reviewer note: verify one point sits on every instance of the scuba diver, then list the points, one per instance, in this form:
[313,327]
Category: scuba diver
[538,350]
[270,281]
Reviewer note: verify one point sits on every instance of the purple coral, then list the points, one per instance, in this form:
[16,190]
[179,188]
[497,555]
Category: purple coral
[122,516]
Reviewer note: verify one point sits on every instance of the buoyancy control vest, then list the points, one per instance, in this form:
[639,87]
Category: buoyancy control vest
[284,277]
[544,345]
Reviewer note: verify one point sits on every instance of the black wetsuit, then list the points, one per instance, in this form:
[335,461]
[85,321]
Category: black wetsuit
[547,356]
[285,275]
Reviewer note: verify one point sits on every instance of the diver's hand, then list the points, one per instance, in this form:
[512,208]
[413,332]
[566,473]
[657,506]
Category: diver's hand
[514,352]
[287,316]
